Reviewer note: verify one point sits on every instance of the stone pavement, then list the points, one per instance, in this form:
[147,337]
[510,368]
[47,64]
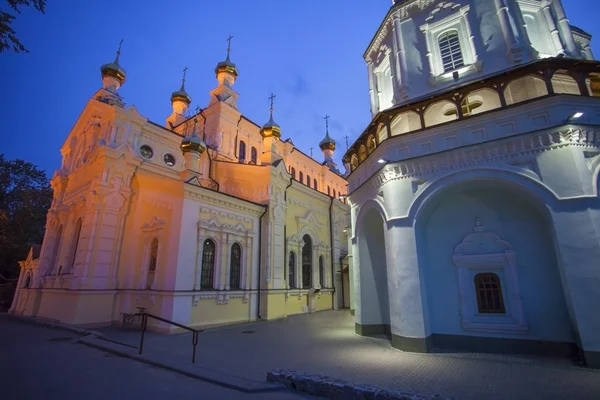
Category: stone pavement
[41,363]
[325,343]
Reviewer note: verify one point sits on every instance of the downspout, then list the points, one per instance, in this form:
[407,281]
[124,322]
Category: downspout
[208,152]
[237,132]
[258,317]
[285,252]
[342,277]
[332,257]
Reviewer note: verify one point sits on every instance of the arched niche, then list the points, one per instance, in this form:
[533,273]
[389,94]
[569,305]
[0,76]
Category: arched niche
[480,101]
[382,133]
[405,122]
[362,153]
[525,88]
[371,145]
[564,84]
[440,112]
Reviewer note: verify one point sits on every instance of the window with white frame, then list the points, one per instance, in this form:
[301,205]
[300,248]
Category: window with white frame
[450,51]
[449,43]
[488,284]
[385,90]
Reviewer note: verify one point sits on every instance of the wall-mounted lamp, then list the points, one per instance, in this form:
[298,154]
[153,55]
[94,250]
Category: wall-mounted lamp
[382,161]
[575,115]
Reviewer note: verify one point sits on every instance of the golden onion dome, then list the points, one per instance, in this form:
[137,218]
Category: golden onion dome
[327,143]
[181,95]
[226,66]
[270,129]
[113,69]
[193,143]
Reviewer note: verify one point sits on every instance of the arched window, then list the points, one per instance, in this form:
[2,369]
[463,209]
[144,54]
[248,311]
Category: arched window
[450,51]
[56,248]
[362,153]
[307,262]
[328,190]
[334,194]
[253,155]
[292,270]
[300,177]
[27,281]
[208,265]
[489,294]
[235,265]
[242,153]
[308,180]
[371,144]
[152,263]
[315,186]
[75,245]
[293,172]
[354,162]
[321,271]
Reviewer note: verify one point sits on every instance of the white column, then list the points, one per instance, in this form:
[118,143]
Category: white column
[564,27]
[503,15]
[429,54]
[558,47]
[372,89]
[221,262]
[408,315]
[578,245]
[198,266]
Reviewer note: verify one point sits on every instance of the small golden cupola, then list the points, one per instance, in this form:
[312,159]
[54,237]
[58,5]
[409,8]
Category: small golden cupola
[327,144]
[193,143]
[226,71]
[271,129]
[181,95]
[113,75]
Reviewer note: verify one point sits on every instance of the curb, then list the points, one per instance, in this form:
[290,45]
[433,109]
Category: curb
[53,325]
[217,378]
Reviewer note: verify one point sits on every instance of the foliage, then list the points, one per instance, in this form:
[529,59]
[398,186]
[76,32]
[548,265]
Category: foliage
[25,197]
[8,38]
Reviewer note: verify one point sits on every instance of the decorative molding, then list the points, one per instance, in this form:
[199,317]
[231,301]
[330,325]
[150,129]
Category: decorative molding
[153,225]
[309,219]
[501,151]
[483,251]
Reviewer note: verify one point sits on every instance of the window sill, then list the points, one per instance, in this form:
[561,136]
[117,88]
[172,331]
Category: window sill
[449,76]
[494,324]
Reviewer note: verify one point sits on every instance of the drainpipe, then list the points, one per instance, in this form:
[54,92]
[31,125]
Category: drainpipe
[258,317]
[285,252]
[342,277]
[210,160]
[332,257]
[237,132]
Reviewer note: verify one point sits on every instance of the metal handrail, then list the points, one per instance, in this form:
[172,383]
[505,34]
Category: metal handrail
[145,316]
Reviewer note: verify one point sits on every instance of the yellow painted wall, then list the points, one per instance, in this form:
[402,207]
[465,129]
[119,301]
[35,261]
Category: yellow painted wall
[77,308]
[208,312]
[275,306]
[323,302]
[295,304]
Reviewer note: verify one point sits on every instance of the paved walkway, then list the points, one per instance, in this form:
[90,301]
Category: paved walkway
[41,363]
[325,343]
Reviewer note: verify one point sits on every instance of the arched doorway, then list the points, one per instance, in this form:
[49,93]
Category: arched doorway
[489,268]
[374,300]
[307,262]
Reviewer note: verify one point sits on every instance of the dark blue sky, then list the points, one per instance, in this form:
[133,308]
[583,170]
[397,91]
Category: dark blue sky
[309,53]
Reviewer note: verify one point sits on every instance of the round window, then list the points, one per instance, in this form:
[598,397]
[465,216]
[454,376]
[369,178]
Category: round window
[146,151]
[169,160]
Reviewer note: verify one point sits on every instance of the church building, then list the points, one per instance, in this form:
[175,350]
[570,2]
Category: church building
[474,189]
[208,219]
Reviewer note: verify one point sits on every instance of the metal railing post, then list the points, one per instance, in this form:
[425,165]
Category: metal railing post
[194,343]
[144,324]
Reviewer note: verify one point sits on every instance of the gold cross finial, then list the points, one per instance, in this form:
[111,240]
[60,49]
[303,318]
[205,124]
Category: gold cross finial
[119,51]
[183,79]
[229,44]
[346,137]
[327,124]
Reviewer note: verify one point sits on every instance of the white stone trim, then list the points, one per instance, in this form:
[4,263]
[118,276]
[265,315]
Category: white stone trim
[503,263]
[458,21]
